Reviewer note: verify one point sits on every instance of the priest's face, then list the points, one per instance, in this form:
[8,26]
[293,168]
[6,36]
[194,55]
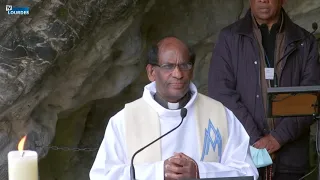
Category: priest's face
[174,70]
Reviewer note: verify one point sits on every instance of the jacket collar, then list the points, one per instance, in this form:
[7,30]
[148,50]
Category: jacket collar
[292,33]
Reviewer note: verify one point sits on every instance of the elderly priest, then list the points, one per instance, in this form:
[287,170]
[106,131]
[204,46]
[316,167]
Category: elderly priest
[211,142]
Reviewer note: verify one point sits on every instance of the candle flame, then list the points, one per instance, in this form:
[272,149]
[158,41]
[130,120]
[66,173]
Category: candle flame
[21,143]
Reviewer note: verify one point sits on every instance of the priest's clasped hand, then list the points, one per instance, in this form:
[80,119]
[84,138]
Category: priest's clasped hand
[180,166]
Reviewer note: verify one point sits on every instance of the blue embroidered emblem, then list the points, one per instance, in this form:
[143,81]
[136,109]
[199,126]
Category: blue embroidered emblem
[214,140]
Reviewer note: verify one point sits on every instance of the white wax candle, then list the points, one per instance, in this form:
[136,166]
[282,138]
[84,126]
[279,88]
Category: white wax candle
[23,167]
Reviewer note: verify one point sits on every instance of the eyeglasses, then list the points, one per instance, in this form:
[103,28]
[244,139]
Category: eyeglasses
[171,67]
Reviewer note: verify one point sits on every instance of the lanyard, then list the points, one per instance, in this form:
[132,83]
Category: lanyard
[268,62]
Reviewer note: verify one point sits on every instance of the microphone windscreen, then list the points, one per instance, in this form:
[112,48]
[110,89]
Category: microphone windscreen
[183,112]
[314,26]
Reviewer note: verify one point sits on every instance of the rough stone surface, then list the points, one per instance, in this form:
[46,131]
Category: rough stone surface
[71,64]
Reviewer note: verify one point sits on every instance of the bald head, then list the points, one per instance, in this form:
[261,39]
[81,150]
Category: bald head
[172,44]
[172,49]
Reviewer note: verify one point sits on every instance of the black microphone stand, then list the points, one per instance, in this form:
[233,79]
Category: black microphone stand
[316,117]
[183,114]
[314,27]
[296,44]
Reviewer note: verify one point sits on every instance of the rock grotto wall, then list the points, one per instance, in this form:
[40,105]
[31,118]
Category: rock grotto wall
[71,64]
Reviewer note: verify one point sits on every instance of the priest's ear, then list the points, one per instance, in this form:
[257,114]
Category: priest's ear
[152,59]
[150,72]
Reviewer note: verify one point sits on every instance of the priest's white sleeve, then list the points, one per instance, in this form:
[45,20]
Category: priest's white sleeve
[112,162]
[236,158]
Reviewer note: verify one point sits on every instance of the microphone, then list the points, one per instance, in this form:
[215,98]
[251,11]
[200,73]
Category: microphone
[183,114]
[296,44]
[314,26]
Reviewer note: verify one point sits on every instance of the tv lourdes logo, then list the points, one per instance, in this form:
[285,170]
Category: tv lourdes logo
[17,10]
[8,7]
[212,139]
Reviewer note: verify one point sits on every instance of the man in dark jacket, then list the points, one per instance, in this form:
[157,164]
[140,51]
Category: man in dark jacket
[266,49]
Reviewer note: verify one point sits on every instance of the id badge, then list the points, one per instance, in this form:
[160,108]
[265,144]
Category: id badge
[269,73]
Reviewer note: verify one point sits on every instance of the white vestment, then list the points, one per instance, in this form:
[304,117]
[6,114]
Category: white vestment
[112,163]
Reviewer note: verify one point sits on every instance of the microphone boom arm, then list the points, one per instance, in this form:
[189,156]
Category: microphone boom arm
[132,170]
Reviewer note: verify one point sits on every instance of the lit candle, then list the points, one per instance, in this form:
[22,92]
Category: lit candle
[22,164]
